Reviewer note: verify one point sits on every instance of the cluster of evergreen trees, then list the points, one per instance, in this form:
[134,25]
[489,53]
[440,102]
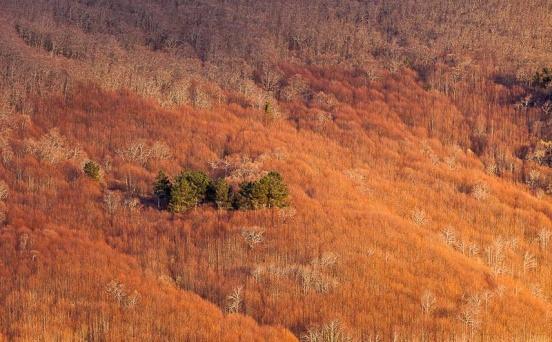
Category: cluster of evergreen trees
[192,188]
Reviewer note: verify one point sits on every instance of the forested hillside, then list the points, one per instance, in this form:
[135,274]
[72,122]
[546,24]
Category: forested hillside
[275,170]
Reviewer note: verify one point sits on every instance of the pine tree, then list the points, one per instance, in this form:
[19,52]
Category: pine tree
[273,191]
[220,193]
[162,189]
[243,199]
[198,182]
[268,192]
[92,170]
[182,196]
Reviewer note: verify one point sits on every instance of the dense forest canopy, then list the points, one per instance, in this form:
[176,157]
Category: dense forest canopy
[234,42]
[239,170]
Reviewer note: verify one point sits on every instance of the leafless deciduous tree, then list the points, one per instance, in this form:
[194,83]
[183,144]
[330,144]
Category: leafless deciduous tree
[428,301]
[537,291]
[287,214]
[142,153]
[543,237]
[486,296]
[4,190]
[529,262]
[419,217]
[450,161]
[470,316]
[112,202]
[23,242]
[117,291]
[495,257]
[533,179]
[253,236]
[318,275]
[53,148]
[449,236]
[234,300]
[221,164]
[132,204]
[269,76]
[480,191]
[330,332]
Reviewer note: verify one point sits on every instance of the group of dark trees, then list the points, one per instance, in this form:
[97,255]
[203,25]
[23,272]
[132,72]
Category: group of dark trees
[190,189]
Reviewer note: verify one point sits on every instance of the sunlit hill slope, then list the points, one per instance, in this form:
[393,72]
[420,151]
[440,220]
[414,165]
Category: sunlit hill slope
[419,204]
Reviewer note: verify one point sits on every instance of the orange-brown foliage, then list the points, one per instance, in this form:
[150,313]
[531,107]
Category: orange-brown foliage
[374,184]
[405,185]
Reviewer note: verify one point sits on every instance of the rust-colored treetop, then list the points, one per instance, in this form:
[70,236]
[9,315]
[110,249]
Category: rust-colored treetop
[275,170]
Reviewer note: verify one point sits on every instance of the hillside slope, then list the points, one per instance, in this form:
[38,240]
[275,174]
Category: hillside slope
[361,245]
[60,285]
[418,211]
